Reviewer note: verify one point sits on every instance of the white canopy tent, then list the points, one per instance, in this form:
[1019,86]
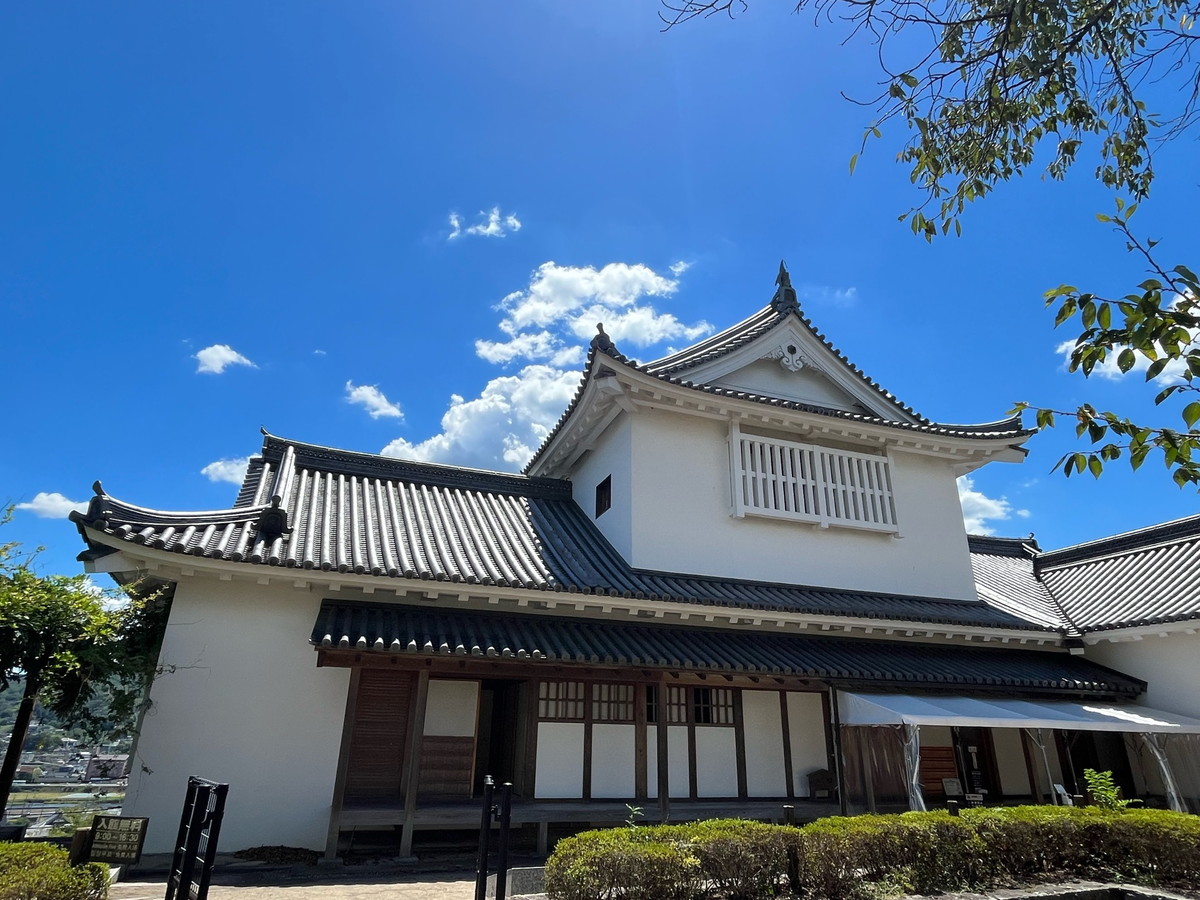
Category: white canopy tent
[905,709]
[910,712]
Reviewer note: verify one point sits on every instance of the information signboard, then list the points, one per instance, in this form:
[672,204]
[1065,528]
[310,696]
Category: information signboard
[117,839]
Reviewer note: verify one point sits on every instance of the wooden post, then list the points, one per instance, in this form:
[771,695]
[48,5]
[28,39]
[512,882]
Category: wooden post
[81,842]
[739,742]
[412,768]
[640,742]
[664,771]
[788,771]
[1035,792]
[339,781]
[835,721]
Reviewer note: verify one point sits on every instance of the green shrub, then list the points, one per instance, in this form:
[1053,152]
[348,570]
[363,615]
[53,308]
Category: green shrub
[33,871]
[865,857]
[622,864]
[741,860]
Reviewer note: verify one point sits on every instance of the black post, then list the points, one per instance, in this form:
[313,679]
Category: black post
[485,838]
[502,845]
[789,814]
[952,807]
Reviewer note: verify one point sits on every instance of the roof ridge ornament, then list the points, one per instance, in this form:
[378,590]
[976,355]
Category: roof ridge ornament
[785,300]
[602,341]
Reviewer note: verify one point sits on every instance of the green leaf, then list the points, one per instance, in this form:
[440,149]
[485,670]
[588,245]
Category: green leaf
[853,163]
[1191,414]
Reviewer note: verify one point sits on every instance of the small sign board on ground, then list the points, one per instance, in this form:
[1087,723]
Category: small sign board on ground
[117,839]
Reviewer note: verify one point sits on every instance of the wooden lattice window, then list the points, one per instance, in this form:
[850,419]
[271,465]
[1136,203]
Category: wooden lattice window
[612,702]
[712,706]
[561,701]
[698,705]
[677,706]
[810,483]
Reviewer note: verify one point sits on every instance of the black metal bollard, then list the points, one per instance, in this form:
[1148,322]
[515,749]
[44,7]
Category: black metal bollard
[485,838]
[952,807]
[789,814]
[502,844]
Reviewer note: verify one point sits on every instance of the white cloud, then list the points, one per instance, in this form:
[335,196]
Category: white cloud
[979,509]
[52,505]
[492,223]
[639,326]
[547,325]
[501,427]
[232,470]
[319,353]
[578,298]
[678,268]
[372,399]
[1108,370]
[217,358]
[841,298]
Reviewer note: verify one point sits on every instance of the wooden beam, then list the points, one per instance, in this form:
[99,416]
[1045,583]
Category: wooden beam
[412,768]
[339,781]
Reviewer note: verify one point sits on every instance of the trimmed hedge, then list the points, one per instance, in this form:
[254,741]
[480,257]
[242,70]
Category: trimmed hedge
[35,871]
[864,857]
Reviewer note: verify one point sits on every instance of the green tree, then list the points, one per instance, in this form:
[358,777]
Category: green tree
[63,644]
[989,90]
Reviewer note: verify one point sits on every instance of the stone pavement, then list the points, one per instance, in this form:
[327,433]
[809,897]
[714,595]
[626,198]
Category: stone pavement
[447,876]
[343,883]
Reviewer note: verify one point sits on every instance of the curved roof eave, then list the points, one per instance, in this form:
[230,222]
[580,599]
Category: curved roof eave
[1004,429]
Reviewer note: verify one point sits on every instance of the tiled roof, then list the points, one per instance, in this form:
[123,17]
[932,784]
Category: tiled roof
[1004,578]
[1145,577]
[674,368]
[749,330]
[310,507]
[393,628]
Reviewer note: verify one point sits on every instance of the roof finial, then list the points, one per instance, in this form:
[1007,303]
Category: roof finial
[602,341]
[785,300]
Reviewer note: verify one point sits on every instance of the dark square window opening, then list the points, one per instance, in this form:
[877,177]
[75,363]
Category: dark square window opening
[603,496]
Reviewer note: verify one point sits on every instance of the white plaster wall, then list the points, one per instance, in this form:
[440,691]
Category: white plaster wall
[610,457]
[682,521]
[614,756]
[559,761]
[1010,760]
[452,708]
[806,727]
[716,761]
[765,775]
[1168,663]
[677,761]
[241,701]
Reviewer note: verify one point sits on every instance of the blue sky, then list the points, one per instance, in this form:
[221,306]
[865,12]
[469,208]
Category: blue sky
[395,223]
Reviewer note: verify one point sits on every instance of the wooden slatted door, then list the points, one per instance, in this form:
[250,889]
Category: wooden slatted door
[937,763]
[375,761]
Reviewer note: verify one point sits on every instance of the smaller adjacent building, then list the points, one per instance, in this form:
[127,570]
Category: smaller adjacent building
[730,579]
